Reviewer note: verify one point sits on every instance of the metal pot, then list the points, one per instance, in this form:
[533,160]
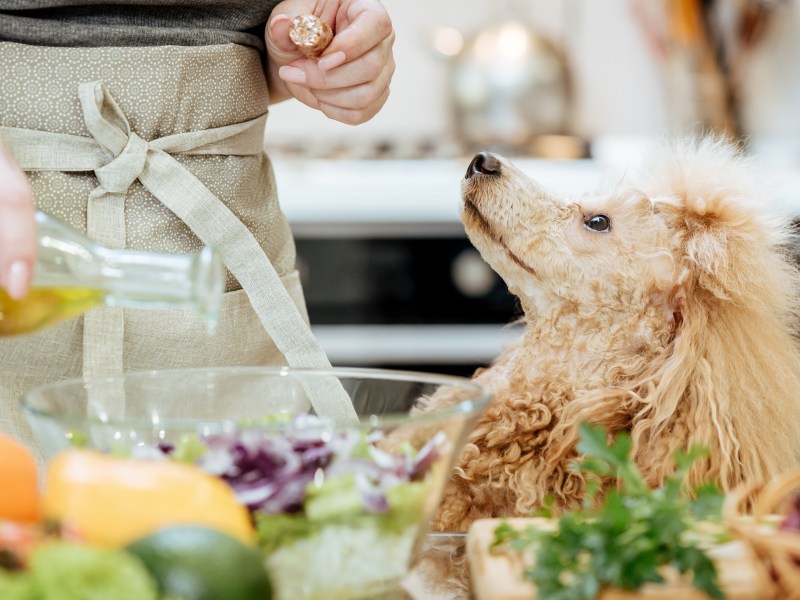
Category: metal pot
[509,84]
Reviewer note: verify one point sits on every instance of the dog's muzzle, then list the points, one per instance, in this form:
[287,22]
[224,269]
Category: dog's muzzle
[484,163]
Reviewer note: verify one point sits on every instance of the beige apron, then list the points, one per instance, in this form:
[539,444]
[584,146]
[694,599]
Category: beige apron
[154,148]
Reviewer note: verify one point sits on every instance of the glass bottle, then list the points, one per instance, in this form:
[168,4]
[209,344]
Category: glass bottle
[73,274]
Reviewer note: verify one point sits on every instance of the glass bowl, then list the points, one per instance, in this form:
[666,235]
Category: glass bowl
[341,501]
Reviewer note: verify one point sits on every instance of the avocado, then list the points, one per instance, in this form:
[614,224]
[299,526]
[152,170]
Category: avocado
[199,563]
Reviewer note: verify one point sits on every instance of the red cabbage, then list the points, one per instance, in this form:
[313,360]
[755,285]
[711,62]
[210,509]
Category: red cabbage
[270,472]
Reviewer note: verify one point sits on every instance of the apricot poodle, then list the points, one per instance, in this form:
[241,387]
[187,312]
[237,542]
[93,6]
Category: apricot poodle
[666,308]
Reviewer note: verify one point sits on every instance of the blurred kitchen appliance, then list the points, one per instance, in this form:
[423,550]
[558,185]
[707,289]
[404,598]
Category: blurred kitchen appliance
[509,86]
[397,299]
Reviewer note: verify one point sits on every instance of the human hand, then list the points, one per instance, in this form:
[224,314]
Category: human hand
[350,81]
[17,228]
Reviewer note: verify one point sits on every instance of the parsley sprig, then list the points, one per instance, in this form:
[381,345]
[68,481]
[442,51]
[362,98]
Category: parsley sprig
[626,538]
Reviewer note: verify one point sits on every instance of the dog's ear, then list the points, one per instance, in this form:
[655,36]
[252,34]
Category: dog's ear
[724,249]
[730,244]
[730,378]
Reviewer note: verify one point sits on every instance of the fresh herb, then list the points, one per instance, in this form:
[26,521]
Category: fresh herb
[626,537]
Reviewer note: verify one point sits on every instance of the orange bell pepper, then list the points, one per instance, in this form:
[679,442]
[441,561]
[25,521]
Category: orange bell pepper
[19,488]
[113,501]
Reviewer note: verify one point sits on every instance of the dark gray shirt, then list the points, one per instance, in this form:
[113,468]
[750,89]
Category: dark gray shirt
[135,22]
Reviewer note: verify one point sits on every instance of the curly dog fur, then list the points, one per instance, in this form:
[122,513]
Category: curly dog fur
[677,325]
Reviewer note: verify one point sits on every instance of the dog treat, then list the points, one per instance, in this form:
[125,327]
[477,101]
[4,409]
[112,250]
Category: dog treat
[311,35]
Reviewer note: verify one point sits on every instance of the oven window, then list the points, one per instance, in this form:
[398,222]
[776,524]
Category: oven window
[411,281]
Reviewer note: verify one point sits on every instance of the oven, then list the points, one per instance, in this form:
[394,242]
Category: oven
[399,300]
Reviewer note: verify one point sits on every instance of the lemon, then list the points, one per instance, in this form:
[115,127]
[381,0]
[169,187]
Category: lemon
[199,563]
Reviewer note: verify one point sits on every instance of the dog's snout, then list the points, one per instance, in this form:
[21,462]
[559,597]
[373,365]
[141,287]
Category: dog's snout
[484,163]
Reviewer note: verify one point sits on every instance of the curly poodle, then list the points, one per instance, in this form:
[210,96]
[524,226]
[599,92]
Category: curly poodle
[667,308]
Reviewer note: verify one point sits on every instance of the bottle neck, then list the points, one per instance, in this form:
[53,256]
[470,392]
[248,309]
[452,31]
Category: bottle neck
[129,278]
[148,280]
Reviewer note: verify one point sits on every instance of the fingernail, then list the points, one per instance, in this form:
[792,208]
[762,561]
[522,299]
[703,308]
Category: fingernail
[277,19]
[17,279]
[331,60]
[292,74]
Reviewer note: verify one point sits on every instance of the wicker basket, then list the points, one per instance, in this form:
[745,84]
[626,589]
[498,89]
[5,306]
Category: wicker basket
[752,513]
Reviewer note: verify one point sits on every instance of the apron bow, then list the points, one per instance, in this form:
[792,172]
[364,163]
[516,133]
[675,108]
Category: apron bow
[110,128]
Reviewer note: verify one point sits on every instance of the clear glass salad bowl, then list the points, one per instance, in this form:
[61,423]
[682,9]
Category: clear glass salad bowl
[341,505]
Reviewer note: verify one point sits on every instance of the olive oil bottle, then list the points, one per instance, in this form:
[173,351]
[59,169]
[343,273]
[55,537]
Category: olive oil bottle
[72,274]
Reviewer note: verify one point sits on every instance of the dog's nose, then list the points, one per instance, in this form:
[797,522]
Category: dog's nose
[484,163]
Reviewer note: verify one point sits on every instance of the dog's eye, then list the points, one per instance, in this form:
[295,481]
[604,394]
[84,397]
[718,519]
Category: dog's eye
[599,223]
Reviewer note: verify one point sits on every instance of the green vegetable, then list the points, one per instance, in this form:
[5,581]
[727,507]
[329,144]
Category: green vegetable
[189,448]
[336,502]
[273,419]
[59,571]
[77,438]
[625,540]
[406,505]
[17,586]
[276,531]
[337,498]
[198,563]
[66,572]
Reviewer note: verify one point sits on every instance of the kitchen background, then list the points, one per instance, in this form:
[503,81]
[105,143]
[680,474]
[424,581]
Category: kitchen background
[573,89]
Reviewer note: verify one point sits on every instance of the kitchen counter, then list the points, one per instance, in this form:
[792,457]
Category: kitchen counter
[341,194]
[424,192]
[414,344]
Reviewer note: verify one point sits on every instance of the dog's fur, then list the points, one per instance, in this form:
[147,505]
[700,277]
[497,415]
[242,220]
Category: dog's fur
[677,325]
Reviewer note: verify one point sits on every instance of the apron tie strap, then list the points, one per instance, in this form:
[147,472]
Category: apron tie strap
[104,328]
[118,157]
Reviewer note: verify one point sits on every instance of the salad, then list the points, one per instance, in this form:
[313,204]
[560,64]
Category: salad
[336,513]
[301,509]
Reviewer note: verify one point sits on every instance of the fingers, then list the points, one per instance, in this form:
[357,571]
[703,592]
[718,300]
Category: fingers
[280,48]
[357,96]
[350,82]
[354,116]
[17,228]
[361,70]
[351,105]
[278,32]
[303,94]
[352,93]
[369,26]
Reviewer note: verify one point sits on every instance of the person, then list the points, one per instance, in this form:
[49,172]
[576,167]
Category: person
[143,126]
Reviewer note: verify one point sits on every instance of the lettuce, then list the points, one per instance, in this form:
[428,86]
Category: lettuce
[59,571]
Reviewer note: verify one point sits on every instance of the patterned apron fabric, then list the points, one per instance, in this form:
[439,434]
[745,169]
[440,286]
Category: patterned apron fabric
[155,148]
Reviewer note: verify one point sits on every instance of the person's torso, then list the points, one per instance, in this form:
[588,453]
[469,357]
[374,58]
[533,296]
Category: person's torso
[93,23]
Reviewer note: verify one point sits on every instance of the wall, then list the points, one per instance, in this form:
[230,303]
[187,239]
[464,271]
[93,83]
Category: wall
[619,84]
